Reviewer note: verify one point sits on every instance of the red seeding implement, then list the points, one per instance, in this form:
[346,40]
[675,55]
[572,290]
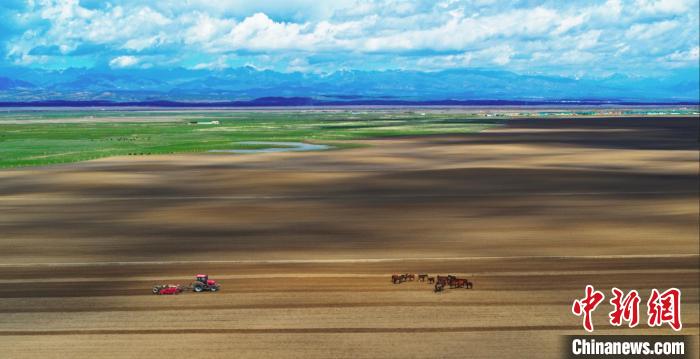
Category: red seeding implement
[202,283]
[441,282]
[168,289]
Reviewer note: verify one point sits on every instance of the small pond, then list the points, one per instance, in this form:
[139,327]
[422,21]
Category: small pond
[276,147]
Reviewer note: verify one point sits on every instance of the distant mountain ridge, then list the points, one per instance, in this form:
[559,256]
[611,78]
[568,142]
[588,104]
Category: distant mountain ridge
[20,84]
[11,84]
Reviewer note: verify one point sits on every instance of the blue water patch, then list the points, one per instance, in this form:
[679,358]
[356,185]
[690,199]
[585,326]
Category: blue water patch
[283,147]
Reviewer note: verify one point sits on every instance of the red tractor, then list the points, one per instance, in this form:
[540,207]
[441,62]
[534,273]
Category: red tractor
[203,283]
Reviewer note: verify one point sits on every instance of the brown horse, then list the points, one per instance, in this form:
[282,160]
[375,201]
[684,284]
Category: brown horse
[431,280]
[441,283]
[461,283]
[444,280]
[422,277]
[468,284]
[454,282]
[439,287]
[398,278]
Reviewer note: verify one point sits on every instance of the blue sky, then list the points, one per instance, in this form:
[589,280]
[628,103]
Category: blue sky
[573,39]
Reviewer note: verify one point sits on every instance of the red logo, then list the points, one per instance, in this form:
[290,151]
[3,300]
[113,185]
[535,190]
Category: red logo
[662,308]
[626,308]
[665,308]
[587,305]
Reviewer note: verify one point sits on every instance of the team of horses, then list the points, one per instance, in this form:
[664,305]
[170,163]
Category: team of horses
[441,282]
[453,282]
[400,278]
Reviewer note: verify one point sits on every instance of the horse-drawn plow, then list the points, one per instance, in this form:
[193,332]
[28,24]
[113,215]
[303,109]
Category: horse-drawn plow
[439,282]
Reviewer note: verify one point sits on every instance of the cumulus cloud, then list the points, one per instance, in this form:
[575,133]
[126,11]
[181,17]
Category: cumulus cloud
[547,35]
[663,6]
[445,61]
[123,61]
[206,28]
[218,64]
[679,58]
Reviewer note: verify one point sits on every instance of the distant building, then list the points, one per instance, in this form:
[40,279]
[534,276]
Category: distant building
[214,122]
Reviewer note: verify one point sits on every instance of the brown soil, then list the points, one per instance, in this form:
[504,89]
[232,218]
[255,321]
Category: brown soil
[304,244]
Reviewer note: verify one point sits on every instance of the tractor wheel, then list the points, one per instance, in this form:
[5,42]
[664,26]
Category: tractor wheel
[155,290]
[198,288]
[214,289]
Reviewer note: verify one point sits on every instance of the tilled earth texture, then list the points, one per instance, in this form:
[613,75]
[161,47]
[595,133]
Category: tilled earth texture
[304,245]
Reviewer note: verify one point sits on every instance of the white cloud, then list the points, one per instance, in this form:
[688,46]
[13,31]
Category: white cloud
[691,55]
[298,65]
[652,30]
[569,23]
[206,28]
[219,64]
[259,32]
[588,39]
[502,55]
[445,61]
[422,33]
[139,44]
[663,6]
[123,61]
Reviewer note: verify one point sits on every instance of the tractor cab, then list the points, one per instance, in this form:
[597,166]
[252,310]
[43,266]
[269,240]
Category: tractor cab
[204,279]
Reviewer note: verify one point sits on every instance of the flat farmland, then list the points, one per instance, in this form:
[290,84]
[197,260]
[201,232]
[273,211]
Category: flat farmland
[304,244]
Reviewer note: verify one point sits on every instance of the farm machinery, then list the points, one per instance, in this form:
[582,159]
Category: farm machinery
[168,289]
[202,283]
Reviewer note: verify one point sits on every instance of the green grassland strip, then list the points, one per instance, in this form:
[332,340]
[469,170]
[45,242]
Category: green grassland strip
[36,144]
